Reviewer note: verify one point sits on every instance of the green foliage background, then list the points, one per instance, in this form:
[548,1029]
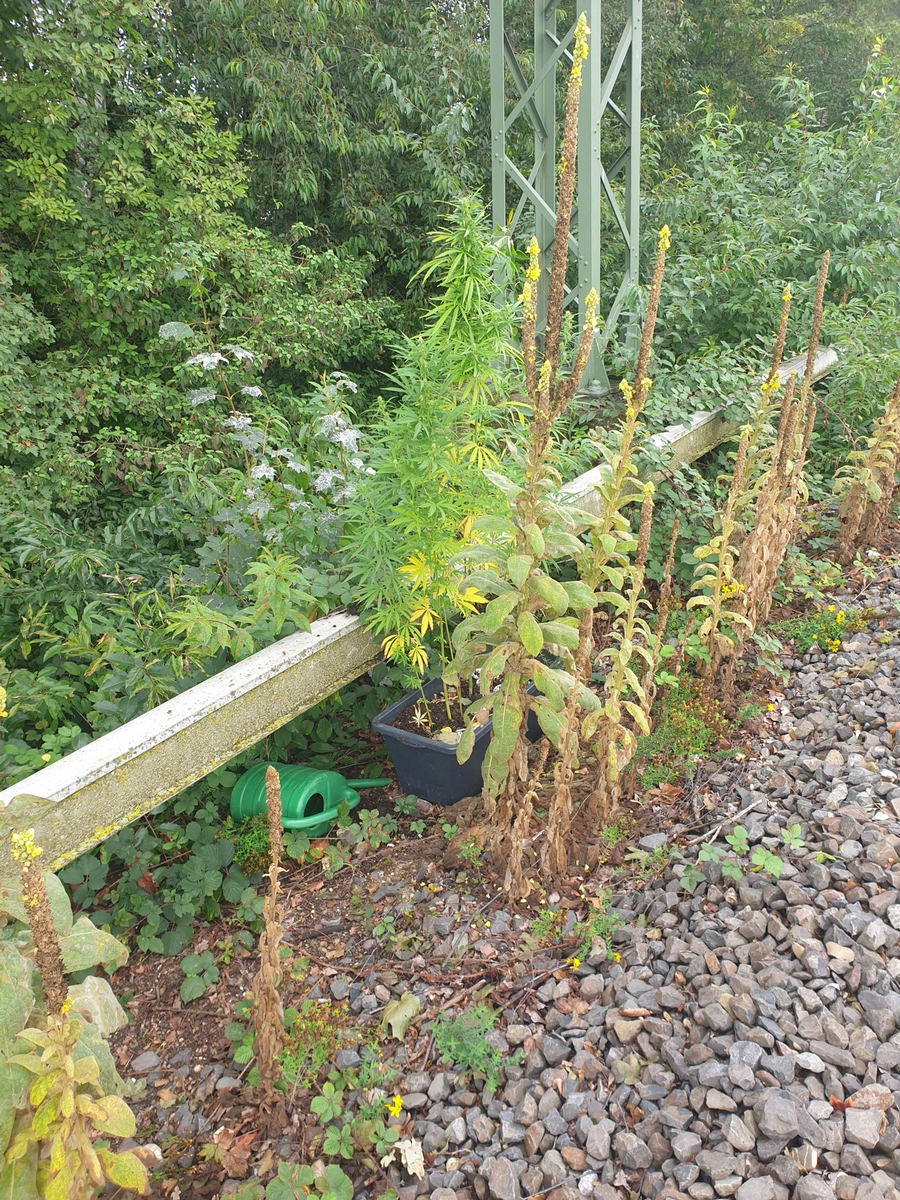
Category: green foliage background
[264,177]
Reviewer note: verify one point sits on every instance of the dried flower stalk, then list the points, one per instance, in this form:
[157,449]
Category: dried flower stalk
[268,1011]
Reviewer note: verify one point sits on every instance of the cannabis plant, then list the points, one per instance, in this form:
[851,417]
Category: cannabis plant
[441,424]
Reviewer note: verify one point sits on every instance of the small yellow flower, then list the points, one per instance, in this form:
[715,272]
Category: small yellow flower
[665,238]
[66,1005]
[839,619]
[573,963]
[395,1106]
[617,957]
[771,708]
[46,757]
[831,608]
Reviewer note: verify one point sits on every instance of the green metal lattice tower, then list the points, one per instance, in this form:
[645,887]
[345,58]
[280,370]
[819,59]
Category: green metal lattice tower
[615,92]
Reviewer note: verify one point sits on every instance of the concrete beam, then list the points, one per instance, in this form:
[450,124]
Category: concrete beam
[684,443]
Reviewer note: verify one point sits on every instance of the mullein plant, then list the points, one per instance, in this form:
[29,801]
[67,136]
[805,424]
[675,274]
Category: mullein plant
[54,1150]
[614,729]
[735,580]
[717,591]
[779,492]
[868,482]
[531,613]
[604,566]
[267,1013]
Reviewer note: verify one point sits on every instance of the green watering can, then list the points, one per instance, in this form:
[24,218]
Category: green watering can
[309,798]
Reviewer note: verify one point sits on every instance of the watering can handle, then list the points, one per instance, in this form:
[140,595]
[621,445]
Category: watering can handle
[356,784]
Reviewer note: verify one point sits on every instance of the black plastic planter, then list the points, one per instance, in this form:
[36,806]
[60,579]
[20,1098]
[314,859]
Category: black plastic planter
[428,769]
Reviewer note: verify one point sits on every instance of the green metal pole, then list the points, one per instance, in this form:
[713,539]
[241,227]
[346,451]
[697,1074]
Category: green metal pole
[633,164]
[589,186]
[545,140]
[498,116]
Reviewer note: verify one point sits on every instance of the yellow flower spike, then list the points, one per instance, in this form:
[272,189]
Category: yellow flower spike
[23,847]
[665,238]
[580,49]
[3,711]
[626,389]
[787,294]
[395,1106]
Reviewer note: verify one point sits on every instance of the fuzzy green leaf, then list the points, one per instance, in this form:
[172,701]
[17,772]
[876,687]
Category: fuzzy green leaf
[507,718]
[118,1120]
[548,683]
[553,594]
[517,567]
[96,999]
[504,485]
[559,634]
[535,539]
[466,743]
[498,610]
[530,634]
[124,1170]
[18,1180]
[87,946]
[550,719]
[581,597]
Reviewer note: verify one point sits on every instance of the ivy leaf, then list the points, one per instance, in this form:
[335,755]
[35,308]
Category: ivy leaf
[398,1014]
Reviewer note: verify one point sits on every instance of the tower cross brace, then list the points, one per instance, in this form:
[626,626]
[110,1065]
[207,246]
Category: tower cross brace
[527,91]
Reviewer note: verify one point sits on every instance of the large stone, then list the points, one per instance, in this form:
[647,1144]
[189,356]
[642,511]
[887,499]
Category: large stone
[503,1183]
[863,1126]
[632,1153]
[762,1188]
[813,1188]
[598,1143]
[716,1165]
[776,1116]
[737,1134]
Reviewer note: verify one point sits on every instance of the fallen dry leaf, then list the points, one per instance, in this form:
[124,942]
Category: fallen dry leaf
[233,1152]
